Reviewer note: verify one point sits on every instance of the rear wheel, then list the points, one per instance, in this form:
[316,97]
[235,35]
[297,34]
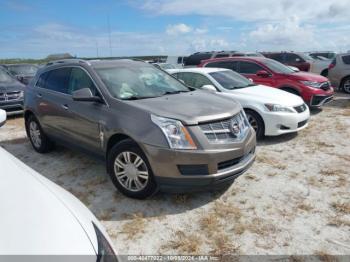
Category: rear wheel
[257,123]
[130,170]
[39,140]
[346,85]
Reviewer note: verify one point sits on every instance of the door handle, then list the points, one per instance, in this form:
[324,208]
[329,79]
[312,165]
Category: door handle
[65,107]
[39,95]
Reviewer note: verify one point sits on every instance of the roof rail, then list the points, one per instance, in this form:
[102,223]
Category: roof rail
[68,60]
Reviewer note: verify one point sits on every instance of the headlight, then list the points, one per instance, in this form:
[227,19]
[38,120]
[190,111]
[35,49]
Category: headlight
[105,251]
[311,84]
[176,134]
[278,108]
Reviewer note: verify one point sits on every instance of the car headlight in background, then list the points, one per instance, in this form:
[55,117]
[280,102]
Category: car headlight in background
[176,134]
[278,108]
[312,84]
[105,251]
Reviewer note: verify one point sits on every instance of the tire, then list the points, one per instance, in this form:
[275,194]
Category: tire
[256,121]
[39,140]
[125,162]
[345,85]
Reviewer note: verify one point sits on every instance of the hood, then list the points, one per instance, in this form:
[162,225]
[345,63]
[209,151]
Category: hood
[11,86]
[308,77]
[34,221]
[191,107]
[266,94]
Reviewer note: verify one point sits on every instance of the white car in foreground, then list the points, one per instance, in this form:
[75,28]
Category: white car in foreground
[270,111]
[42,219]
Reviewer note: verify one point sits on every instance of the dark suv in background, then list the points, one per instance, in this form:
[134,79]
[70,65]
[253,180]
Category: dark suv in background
[11,93]
[196,58]
[22,72]
[299,60]
[154,132]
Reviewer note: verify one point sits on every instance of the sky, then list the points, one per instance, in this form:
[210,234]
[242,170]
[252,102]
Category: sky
[86,28]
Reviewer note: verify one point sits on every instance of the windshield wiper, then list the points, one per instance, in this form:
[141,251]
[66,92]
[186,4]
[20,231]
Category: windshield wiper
[174,92]
[138,97]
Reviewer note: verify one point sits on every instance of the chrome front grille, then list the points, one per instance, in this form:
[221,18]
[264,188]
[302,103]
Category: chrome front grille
[228,130]
[10,96]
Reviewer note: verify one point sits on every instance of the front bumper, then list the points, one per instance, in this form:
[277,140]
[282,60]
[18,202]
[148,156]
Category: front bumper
[320,100]
[12,107]
[279,123]
[197,170]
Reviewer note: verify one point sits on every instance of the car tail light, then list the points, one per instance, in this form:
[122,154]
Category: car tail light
[331,65]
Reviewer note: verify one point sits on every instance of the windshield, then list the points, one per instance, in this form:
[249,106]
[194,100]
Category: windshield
[129,82]
[22,69]
[278,67]
[306,57]
[4,77]
[231,80]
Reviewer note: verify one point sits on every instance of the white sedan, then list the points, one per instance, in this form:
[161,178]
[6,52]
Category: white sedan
[40,218]
[270,111]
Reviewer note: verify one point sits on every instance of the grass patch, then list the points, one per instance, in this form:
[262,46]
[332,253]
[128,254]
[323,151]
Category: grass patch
[184,243]
[135,227]
[271,162]
[342,207]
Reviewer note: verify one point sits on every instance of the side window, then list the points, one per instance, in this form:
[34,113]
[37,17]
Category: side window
[278,57]
[346,59]
[224,64]
[57,80]
[194,80]
[80,79]
[42,80]
[249,68]
[293,58]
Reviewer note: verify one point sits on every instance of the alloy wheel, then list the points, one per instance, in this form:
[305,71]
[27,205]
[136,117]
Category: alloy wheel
[35,134]
[131,171]
[347,86]
[252,121]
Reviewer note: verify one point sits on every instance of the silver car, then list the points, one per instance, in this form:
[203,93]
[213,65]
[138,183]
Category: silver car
[339,72]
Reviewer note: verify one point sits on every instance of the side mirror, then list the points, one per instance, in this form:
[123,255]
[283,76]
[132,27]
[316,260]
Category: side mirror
[2,117]
[85,95]
[210,88]
[263,74]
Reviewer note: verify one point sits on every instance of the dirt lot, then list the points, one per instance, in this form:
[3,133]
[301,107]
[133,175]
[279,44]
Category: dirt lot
[294,200]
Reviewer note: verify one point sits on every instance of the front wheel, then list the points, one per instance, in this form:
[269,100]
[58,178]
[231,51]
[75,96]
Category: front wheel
[130,170]
[39,140]
[256,122]
[346,85]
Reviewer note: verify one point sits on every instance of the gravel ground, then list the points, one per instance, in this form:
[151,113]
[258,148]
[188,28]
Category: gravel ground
[294,200]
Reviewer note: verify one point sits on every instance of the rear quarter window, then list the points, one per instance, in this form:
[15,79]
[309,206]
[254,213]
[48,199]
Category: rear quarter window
[346,59]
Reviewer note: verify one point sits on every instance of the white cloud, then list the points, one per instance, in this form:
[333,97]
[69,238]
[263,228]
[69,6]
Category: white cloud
[288,33]
[178,29]
[254,10]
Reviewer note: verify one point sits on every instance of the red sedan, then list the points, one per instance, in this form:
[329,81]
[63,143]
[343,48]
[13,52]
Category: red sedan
[316,90]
